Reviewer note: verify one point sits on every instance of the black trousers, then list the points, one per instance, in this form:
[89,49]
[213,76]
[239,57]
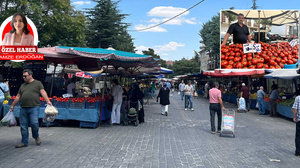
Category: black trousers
[215,108]
[297,139]
[273,107]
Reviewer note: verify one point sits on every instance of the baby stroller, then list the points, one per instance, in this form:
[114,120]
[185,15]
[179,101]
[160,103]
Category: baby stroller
[131,117]
[241,105]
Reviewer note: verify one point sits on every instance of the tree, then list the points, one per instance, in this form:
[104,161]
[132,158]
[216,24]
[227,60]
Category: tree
[210,34]
[184,66]
[57,21]
[106,27]
[265,22]
[231,17]
[151,52]
[254,6]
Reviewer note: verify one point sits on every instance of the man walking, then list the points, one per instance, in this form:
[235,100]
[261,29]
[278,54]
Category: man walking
[164,99]
[188,91]
[181,88]
[215,100]
[29,94]
[260,100]
[245,93]
[296,119]
[153,88]
[116,92]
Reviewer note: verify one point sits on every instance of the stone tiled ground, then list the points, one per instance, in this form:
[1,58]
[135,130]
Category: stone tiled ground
[182,139]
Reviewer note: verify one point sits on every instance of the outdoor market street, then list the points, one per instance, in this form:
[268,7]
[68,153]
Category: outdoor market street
[182,139]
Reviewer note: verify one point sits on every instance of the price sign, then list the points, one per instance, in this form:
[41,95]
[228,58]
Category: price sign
[250,48]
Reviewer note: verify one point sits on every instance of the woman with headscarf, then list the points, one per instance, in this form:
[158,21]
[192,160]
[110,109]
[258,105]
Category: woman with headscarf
[163,94]
[136,101]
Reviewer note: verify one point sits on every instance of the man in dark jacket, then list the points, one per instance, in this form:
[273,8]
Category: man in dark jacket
[163,94]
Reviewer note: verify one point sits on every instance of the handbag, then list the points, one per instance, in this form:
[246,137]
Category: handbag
[6,94]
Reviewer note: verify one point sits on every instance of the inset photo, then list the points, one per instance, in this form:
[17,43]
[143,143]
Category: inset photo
[259,39]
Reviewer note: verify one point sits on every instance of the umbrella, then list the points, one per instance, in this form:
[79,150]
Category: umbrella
[287,18]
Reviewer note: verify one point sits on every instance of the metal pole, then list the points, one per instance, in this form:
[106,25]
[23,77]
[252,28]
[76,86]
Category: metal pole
[53,80]
[258,25]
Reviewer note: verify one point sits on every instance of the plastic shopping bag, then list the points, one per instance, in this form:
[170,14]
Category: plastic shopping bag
[50,110]
[242,104]
[49,117]
[178,93]
[9,119]
[256,105]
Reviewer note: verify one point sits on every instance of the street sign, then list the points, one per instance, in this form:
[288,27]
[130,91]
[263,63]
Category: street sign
[250,48]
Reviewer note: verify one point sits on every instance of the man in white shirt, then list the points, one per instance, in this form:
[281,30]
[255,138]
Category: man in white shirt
[116,92]
[181,88]
[71,87]
[188,91]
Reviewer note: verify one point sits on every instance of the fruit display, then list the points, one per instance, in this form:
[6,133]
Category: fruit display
[272,56]
[288,102]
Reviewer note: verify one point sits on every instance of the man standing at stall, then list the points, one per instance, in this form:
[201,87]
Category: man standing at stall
[239,30]
[260,94]
[215,100]
[116,92]
[29,94]
[245,93]
[272,99]
[188,91]
[296,108]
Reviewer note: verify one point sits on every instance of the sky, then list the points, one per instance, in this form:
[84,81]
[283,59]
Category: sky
[180,37]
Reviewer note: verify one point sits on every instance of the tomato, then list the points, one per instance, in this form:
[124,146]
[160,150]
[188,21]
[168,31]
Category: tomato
[244,63]
[230,62]
[251,67]
[295,60]
[231,57]
[290,62]
[222,56]
[262,60]
[238,65]
[259,65]
[254,61]
[224,63]
[272,62]
[249,58]
[266,66]
[236,59]
[228,67]
[281,65]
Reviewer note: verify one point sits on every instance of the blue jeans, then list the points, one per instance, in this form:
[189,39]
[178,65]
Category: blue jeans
[182,94]
[188,98]
[261,105]
[1,105]
[29,114]
[152,93]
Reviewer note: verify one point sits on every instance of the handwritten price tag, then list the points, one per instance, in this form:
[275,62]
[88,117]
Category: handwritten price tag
[249,48]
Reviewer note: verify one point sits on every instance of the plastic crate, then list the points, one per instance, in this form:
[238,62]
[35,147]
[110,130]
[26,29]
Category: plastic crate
[88,124]
[59,104]
[77,105]
[94,105]
[43,104]
[291,66]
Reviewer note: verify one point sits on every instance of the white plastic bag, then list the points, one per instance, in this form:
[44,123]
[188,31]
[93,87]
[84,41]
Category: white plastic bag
[178,93]
[50,110]
[257,105]
[242,104]
[9,119]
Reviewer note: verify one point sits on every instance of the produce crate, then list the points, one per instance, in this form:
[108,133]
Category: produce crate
[94,105]
[88,124]
[77,105]
[59,104]
[43,104]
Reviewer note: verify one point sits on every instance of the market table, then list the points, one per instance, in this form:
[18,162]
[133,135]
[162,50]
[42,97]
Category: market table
[82,115]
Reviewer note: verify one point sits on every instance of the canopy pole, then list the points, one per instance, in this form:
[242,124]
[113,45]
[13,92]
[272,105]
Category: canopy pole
[258,25]
[102,102]
[53,80]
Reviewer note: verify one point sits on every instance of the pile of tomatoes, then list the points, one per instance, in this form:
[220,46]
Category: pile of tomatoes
[272,56]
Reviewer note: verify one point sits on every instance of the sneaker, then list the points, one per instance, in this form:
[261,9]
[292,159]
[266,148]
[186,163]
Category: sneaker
[219,131]
[192,109]
[38,141]
[213,132]
[20,145]
[166,113]
[162,114]
[185,109]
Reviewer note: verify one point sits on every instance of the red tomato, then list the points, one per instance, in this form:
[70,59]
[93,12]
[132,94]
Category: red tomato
[228,67]
[254,61]
[259,65]
[272,62]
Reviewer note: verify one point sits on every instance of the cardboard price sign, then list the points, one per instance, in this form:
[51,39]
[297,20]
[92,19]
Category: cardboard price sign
[251,48]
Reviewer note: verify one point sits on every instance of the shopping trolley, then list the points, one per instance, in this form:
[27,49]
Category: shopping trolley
[227,127]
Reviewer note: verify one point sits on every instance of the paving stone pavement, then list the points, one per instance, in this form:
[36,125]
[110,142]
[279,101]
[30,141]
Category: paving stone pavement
[181,139]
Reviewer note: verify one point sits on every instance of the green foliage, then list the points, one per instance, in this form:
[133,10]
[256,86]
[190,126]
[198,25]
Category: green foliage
[254,6]
[151,52]
[106,27]
[56,20]
[231,17]
[184,66]
[210,34]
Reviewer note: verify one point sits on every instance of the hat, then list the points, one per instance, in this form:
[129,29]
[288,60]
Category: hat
[243,84]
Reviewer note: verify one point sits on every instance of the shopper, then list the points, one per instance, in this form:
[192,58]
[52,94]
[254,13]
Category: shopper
[215,100]
[116,93]
[164,99]
[136,100]
[260,100]
[188,91]
[72,87]
[245,93]
[181,88]
[3,88]
[29,94]
[206,89]
[153,89]
[296,108]
[273,97]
